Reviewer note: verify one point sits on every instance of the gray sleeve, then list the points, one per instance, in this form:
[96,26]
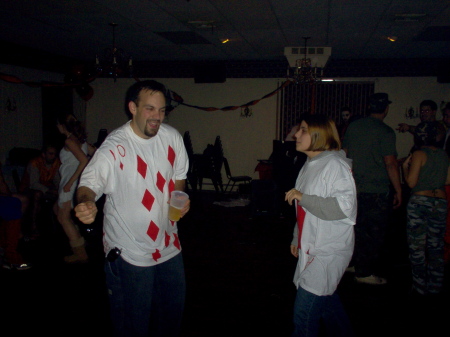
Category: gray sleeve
[323,208]
[294,241]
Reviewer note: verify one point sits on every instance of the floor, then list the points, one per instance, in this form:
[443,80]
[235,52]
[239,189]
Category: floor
[239,281]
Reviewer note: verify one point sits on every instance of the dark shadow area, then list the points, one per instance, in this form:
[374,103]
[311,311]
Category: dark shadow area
[239,281]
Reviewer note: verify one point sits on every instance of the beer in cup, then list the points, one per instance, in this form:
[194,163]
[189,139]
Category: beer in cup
[177,201]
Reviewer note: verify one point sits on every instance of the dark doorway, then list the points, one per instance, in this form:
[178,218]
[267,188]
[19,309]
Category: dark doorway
[55,101]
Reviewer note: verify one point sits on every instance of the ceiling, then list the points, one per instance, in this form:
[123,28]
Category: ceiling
[167,37]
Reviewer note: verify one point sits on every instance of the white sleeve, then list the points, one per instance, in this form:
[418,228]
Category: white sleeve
[98,175]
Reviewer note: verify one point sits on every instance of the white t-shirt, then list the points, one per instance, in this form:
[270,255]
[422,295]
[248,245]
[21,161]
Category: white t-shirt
[137,176]
[326,245]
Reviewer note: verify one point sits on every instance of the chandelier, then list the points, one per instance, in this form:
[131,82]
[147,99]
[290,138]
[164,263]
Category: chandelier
[114,62]
[306,64]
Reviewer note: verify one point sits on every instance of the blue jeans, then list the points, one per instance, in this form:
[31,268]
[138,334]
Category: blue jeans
[146,300]
[310,309]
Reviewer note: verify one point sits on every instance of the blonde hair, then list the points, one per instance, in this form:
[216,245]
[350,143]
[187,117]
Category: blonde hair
[323,132]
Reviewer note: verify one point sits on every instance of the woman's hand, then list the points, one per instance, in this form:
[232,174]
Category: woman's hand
[67,187]
[407,162]
[293,194]
[294,250]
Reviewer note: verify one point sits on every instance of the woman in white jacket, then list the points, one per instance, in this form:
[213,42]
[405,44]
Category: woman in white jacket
[325,201]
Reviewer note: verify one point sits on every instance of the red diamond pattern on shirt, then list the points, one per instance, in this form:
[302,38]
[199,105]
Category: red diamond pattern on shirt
[176,243]
[153,231]
[171,155]
[141,167]
[171,186]
[300,221]
[121,165]
[167,241]
[160,182]
[148,200]
[156,255]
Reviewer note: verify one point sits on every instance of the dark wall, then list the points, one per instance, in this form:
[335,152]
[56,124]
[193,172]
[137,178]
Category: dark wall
[55,101]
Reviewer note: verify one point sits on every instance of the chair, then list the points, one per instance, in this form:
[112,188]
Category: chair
[210,165]
[102,133]
[234,179]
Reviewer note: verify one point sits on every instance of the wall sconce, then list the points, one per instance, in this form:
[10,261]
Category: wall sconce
[411,114]
[246,112]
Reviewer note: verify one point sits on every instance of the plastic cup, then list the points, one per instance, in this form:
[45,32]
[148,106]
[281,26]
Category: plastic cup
[177,201]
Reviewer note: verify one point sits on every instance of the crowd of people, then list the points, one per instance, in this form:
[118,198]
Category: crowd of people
[343,197]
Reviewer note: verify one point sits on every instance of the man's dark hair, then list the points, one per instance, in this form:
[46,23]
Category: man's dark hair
[133,92]
[430,103]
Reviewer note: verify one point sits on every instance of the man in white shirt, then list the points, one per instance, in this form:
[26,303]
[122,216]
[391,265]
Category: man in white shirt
[136,167]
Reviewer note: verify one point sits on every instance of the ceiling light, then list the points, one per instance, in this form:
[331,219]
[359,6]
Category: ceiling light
[392,38]
[114,61]
[225,40]
[306,64]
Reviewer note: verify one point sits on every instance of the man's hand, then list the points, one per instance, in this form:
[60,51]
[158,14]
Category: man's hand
[86,212]
[403,127]
[186,208]
[397,200]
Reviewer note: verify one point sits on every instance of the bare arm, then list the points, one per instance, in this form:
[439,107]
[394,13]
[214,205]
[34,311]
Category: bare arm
[91,149]
[180,185]
[412,166]
[75,148]
[403,127]
[394,176]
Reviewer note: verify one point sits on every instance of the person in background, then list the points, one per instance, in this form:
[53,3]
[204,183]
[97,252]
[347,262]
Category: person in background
[371,144]
[137,167]
[426,172]
[446,120]
[74,158]
[346,118]
[325,201]
[11,213]
[428,110]
[41,182]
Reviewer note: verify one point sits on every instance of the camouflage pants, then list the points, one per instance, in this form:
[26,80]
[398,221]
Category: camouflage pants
[426,222]
[374,210]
